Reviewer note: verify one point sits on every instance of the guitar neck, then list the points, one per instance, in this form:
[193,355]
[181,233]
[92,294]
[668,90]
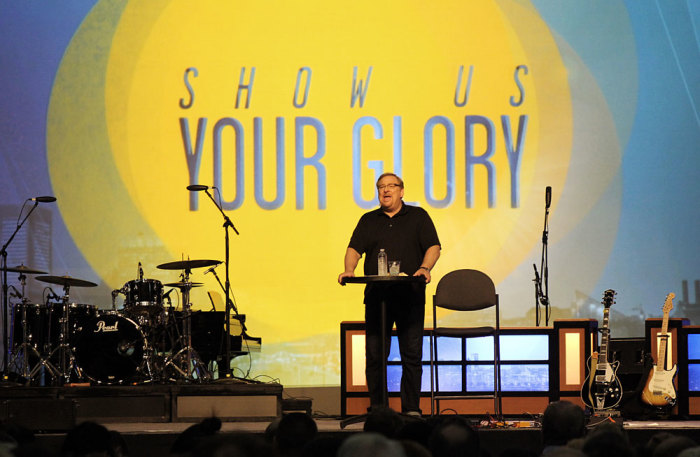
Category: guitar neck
[661,359]
[603,350]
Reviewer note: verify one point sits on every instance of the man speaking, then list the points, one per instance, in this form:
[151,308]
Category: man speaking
[407,234]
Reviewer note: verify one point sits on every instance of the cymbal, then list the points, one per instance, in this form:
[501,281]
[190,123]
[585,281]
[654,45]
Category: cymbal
[187,264]
[25,270]
[185,285]
[66,281]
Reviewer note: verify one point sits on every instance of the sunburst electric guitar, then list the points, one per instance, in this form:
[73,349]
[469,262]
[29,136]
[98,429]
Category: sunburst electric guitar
[602,389]
[659,389]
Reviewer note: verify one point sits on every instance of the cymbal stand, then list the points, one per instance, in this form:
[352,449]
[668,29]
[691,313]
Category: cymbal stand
[191,367]
[20,354]
[66,358]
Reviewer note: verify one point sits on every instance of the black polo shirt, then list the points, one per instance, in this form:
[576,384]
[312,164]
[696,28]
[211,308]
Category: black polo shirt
[405,237]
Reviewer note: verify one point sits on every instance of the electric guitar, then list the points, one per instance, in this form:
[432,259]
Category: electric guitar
[659,389]
[602,389]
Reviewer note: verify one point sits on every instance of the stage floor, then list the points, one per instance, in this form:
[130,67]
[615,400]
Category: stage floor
[150,439]
[150,417]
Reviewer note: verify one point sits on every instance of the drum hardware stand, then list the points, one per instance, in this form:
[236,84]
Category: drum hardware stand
[188,356]
[24,349]
[66,362]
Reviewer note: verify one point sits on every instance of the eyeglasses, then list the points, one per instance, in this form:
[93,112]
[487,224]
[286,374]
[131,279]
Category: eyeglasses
[391,186]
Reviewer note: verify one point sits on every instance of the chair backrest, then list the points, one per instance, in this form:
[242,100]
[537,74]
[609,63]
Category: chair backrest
[465,290]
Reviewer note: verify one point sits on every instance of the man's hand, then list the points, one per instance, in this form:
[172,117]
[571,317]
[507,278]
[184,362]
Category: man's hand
[423,272]
[350,262]
[343,275]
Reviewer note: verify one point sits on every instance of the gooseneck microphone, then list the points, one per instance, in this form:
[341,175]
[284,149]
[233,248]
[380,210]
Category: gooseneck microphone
[197,187]
[548,197]
[45,199]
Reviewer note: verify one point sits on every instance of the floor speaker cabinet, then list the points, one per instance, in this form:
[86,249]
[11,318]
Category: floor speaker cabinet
[633,359]
[45,415]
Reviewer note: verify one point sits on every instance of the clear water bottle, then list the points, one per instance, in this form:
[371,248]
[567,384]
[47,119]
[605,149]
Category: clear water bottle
[382,269]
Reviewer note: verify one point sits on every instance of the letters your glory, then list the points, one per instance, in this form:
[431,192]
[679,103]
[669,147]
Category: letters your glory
[481,156]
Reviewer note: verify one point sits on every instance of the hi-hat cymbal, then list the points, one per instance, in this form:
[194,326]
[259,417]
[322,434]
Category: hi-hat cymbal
[66,281]
[188,264]
[185,285]
[25,270]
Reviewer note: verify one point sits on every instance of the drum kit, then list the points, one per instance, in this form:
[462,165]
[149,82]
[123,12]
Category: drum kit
[60,342]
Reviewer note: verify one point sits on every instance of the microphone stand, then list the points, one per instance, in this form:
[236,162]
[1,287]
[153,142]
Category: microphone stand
[542,284]
[229,304]
[3,253]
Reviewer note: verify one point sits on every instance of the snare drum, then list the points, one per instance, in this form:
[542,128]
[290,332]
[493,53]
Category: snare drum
[110,349]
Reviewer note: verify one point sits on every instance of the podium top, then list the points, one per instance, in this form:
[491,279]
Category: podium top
[383,279]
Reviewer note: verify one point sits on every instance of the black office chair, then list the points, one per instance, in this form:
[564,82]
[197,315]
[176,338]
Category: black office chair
[468,291]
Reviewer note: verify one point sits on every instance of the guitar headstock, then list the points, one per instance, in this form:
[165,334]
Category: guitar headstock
[609,298]
[668,304]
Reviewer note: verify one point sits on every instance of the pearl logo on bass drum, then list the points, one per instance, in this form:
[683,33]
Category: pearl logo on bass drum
[102,327]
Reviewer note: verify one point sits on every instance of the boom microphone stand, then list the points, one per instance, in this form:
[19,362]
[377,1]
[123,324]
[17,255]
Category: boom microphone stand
[542,284]
[226,372]
[3,253]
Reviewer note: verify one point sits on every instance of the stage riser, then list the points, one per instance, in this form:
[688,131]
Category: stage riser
[54,408]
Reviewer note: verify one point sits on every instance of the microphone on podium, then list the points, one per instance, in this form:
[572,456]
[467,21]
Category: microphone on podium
[197,187]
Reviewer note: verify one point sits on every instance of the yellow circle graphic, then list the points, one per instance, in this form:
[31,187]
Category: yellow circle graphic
[291,109]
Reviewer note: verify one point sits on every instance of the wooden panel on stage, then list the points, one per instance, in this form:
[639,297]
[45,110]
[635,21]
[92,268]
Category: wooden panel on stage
[228,400]
[40,414]
[694,406]
[194,408]
[576,340]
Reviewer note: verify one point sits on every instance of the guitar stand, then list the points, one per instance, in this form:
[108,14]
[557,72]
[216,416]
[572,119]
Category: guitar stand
[600,416]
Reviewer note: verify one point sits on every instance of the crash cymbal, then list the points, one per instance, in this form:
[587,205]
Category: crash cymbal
[25,270]
[184,285]
[66,281]
[188,264]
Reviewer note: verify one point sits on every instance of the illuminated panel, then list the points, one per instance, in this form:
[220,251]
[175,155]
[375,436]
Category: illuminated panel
[669,348]
[480,349]
[525,378]
[449,349]
[358,360]
[572,351]
[479,378]
[694,377]
[694,368]
[524,347]
[694,346]
[451,378]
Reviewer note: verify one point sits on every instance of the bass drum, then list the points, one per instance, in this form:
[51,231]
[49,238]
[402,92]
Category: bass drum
[110,349]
